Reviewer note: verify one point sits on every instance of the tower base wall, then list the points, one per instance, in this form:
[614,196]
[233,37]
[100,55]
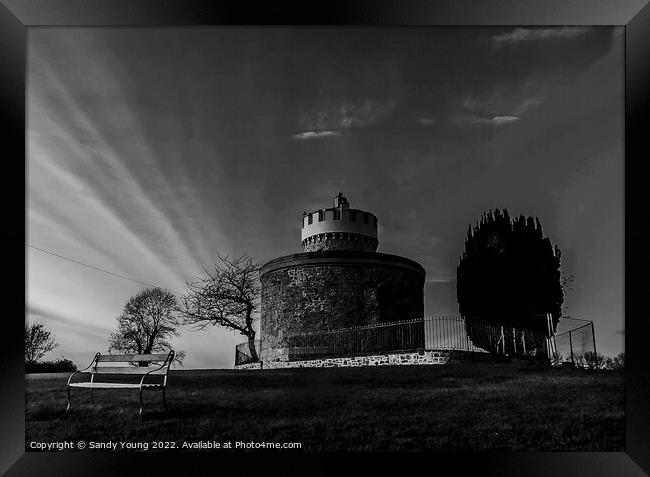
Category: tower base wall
[323,291]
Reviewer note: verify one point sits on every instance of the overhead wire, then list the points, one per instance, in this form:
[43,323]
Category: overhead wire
[78,262]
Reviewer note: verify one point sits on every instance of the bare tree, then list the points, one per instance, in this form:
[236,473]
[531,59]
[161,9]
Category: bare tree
[38,341]
[146,324]
[229,297]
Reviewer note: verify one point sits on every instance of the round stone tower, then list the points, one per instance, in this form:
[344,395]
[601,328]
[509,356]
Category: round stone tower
[339,281]
[339,228]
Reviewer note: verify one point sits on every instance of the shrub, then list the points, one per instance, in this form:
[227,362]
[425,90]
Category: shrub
[593,360]
[557,358]
[60,366]
[618,361]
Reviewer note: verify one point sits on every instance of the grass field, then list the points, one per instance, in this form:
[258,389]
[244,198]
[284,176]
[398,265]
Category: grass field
[461,406]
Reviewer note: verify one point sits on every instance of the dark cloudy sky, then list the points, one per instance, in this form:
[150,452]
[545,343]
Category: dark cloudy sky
[150,150]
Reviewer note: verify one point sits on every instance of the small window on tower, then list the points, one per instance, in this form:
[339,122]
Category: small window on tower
[337,214]
[353,215]
[320,215]
[310,219]
[375,221]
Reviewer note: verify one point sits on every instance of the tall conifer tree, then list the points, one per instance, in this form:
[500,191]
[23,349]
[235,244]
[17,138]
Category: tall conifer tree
[509,273]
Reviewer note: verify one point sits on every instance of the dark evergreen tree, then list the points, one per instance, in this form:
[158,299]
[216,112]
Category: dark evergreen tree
[508,274]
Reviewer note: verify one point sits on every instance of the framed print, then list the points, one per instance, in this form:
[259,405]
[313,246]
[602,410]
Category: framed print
[257,234]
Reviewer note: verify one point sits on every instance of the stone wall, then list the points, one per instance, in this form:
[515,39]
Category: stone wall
[339,241]
[313,292]
[422,357]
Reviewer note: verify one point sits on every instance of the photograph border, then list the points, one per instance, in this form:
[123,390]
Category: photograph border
[18,16]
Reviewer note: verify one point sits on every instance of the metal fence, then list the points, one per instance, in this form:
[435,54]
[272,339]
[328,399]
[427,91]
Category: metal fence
[433,333]
[362,340]
[571,345]
[506,335]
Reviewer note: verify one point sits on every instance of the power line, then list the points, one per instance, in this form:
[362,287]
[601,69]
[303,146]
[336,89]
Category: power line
[99,269]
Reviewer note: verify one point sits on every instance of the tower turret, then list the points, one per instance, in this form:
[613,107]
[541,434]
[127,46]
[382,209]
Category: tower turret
[339,228]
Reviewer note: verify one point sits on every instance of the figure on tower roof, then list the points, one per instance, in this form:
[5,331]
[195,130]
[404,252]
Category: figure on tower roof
[340,200]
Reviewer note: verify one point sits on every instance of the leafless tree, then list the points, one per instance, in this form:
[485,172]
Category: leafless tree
[229,296]
[38,341]
[146,324]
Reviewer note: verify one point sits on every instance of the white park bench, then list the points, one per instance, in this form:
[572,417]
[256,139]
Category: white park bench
[97,373]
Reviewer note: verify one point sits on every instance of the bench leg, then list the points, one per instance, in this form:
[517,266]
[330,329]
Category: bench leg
[69,402]
[140,412]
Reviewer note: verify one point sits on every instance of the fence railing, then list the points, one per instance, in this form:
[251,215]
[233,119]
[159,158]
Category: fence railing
[431,333]
[381,338]
[571,346]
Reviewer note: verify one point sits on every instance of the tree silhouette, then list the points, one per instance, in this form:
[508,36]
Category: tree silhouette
[509,273]
[146,324]
[38,342]
[229,296]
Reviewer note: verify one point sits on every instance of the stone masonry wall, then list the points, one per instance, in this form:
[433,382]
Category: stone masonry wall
[339,241]
[326,296]
[423,357]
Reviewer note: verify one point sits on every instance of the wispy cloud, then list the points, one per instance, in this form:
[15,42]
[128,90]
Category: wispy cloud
[520,35]
[330,121]
[498,109]
[425,121]
[499,102]
[38,314]
[496,120]
[485,121]
[315,134]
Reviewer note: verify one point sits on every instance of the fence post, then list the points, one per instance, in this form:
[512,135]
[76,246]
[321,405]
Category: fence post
[593,336]
[502,338]
[549,340]
[514,341]
[571,349]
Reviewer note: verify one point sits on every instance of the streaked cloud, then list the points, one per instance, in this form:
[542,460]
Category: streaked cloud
[330,121]
[38,314]
[497,109]
[485,121]
[315,134]
[520,35]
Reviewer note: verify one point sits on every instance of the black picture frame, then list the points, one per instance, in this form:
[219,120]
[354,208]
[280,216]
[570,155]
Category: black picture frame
[18,16]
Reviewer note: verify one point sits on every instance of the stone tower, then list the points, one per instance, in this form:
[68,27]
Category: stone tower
[339,228]
[339,281]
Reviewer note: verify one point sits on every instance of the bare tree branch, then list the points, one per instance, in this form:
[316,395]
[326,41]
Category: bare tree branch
[229,296]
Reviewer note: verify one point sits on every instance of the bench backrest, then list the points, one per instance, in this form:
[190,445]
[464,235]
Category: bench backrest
[156,363]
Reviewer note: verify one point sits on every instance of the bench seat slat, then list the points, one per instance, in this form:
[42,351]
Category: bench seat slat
[127,370]
[113,385]
[120,358]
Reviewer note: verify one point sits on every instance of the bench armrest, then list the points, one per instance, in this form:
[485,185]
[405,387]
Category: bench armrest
[148,373]
[166,364]
[83,370]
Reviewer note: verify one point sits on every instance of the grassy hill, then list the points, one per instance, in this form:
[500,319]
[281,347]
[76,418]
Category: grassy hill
[460,406]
